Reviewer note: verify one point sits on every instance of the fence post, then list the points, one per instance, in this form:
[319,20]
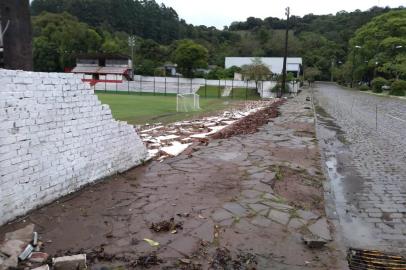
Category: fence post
[154,85]
[116,84]
[205,88]
[128,84]
[218,90]
[165,85]
[178,85]
[246,91]
[191,85]
[232,89]
[140,84]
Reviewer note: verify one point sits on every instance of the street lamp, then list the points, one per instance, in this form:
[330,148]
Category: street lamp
[396,61]
[353,64]
[131,43]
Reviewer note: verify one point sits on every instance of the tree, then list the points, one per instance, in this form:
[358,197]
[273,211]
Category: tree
[189,56]
[61,36]
[382,41]
[257,71]
[311,74]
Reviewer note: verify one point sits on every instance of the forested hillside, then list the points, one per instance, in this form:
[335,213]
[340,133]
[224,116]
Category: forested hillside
[104,25]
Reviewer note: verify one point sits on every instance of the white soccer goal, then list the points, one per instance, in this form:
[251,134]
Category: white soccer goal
[187,102]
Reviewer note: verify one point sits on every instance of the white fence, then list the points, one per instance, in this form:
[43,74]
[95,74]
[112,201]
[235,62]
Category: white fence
[177,85]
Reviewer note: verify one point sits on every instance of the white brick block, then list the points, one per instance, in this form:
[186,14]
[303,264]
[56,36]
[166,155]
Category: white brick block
[55,137]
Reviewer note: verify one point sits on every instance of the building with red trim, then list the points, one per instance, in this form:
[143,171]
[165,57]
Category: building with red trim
[105,68]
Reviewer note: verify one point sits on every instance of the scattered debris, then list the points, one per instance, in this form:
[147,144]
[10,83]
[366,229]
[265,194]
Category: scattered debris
[185,215]
[26,253]
[223,260]
[152,243]
[17,246]
[70,262]
[171,140]
[185,261]
[38,257]
[313,242]
[166,226]
[250,123]
[146,261]
[44,267]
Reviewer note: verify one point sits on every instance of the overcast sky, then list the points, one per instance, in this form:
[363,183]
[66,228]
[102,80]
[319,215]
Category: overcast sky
[222,12]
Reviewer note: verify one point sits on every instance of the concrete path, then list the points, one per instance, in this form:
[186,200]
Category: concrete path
[237,203]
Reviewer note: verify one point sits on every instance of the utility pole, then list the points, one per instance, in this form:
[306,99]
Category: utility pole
[283,86]
[131,43]
[353,64]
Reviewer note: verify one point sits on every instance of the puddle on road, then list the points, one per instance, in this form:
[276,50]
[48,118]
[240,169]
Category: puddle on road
[344,183]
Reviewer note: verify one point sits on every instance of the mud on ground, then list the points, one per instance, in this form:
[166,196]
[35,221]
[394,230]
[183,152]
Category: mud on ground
[241,203]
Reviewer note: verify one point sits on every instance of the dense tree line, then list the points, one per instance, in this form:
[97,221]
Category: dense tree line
[104,25]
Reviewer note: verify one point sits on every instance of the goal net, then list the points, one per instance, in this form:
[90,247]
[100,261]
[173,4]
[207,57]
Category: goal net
[187,102]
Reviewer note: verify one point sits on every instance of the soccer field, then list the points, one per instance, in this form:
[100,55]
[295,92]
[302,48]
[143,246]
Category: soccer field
[146,108]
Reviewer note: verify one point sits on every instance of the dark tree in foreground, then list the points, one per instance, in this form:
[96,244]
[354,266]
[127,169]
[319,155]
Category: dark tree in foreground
[17,39]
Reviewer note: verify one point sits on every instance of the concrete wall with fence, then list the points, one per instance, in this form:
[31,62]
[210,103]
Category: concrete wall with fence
[177,85]
[56,136]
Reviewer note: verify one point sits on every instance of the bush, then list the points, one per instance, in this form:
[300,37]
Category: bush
[398,88]
[278,86]
[377,84]
[363,87]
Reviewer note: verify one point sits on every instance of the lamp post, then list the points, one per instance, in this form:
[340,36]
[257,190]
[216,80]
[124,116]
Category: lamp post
[353,64]
[397,47]
[131,43]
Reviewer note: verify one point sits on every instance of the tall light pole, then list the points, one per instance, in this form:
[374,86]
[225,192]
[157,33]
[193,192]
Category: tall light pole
[397,47]
[131,43]
[353,64]
[287,13]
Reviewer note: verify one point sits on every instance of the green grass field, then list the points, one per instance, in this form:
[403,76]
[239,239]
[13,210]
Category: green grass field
[236,93]
[146,108]
[210,91]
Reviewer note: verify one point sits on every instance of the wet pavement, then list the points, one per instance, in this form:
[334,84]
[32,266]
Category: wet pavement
[362,138]
[244,202]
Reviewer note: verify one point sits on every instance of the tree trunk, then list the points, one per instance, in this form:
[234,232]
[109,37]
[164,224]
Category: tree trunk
[18,37]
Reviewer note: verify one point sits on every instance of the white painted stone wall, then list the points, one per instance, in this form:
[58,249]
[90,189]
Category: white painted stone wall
[56,136]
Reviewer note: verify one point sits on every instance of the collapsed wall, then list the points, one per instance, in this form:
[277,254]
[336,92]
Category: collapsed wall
[56,136]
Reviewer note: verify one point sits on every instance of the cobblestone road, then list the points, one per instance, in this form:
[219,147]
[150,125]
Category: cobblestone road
[369,163]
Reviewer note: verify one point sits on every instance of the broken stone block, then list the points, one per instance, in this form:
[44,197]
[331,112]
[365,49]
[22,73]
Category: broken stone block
[236,209]
[12,248]
[44,267]
[321,229]
[306,215]
[38,257]
[25,234]
[70,262]
[280,217]
[221,215]
[314,242]
[296,223]
[26,253]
